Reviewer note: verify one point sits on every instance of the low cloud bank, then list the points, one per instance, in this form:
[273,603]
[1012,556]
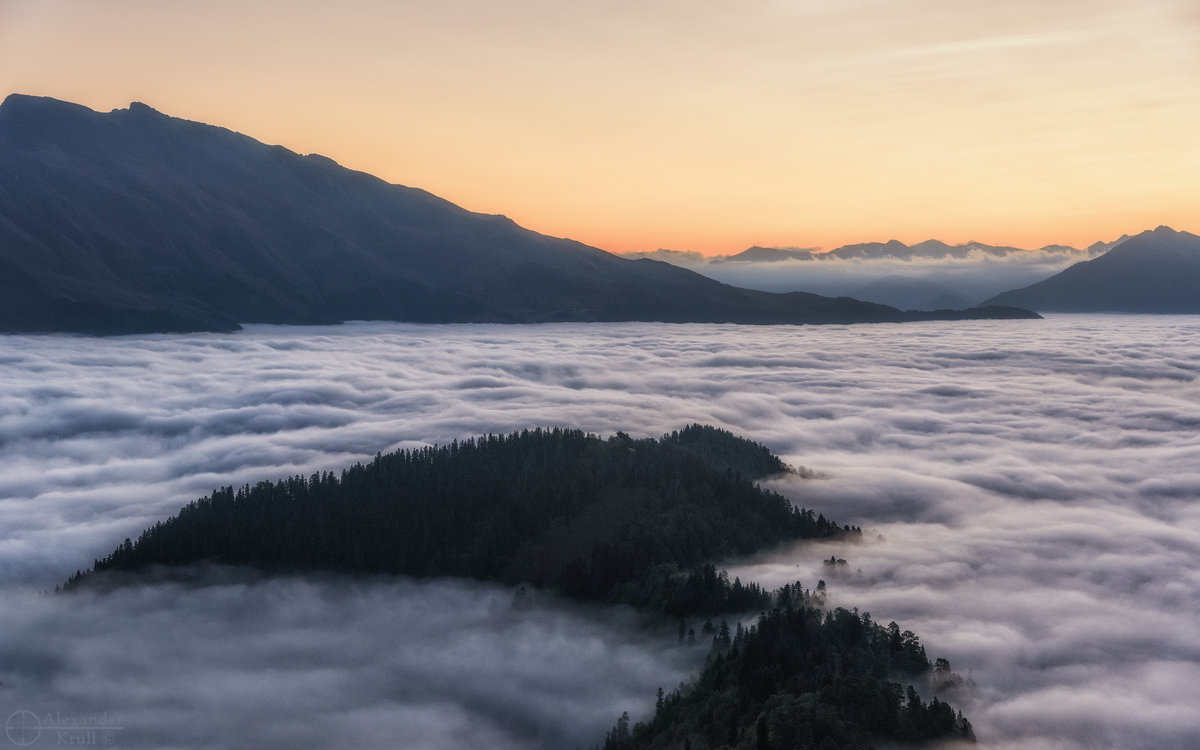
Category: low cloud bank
[967,278]
[1027,490]
[895,282]
[326,663]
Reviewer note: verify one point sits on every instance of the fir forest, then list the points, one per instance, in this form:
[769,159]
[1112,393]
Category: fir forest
[612,521]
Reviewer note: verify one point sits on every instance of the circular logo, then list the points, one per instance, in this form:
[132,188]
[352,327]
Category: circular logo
[23,727]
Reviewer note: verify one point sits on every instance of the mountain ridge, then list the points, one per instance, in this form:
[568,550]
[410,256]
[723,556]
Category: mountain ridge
[931,249]
[1157,271]
[134,221]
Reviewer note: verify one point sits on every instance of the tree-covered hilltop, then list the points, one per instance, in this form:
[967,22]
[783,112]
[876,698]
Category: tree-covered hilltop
[799,678]
[632,521]
[614,519]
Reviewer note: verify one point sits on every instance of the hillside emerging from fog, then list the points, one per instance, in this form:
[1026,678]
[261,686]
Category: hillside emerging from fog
[929,275]
[597,520]
[1155,272]
[134,221]
[896,250]
[615,520]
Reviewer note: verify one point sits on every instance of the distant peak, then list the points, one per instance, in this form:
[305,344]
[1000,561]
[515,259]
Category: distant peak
[27,102]
[42,104]
[15,100]
[1163,229]
[321,159]
[32,115]
[138,108]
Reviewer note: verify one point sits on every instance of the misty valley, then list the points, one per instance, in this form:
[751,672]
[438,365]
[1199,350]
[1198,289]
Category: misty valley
[592,376]
[508,536]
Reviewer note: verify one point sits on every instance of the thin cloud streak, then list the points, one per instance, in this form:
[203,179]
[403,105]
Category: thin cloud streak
[1026,488]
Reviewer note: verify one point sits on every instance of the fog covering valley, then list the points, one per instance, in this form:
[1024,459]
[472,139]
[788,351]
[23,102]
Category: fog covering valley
[944,276]
[1027,491]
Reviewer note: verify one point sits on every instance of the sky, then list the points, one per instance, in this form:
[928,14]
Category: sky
[1026,491]
[703,126]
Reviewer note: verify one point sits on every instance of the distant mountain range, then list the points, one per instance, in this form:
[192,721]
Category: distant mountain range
[890,250]
[928,275]
[758,254]
[1155,272]
[134,221]
[909,293]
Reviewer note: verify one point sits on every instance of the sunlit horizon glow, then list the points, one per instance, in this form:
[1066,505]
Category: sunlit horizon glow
[698,126]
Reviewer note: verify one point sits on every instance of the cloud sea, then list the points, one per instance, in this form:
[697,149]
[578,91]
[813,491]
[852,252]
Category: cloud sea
[1028,492]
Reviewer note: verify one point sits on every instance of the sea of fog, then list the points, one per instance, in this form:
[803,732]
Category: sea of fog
[1028,492]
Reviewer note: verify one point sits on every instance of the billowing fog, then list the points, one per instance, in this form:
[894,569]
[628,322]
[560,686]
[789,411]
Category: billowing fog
[329,663]
[906,282]
[900,283]
[1028,492]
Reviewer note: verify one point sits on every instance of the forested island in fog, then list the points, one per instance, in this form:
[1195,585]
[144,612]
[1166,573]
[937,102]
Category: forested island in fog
[620,520]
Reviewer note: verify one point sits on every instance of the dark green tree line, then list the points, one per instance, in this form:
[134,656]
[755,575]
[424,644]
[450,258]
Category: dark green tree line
[800,678]
[614,519]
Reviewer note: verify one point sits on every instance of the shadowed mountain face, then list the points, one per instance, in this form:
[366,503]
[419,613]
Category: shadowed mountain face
[758,254]
[134,221]
[1154,272]
[909,293]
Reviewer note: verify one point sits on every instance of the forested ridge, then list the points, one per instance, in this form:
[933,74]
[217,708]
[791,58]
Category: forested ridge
[801,678]
[616,519]
[609,520]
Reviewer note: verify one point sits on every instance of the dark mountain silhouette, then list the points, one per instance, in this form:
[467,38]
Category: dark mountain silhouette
[1155,272]
[135,221]
[952,301]
[911,293]
[889,249]
[880,251]
[759,254]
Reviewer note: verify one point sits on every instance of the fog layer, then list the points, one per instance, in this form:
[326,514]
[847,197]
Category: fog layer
[1028,492]
[890,281]
[328,663]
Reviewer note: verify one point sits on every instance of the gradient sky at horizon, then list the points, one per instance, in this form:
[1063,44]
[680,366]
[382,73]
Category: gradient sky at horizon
[705,126]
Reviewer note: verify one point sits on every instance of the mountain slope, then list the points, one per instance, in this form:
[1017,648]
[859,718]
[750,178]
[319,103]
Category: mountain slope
[911,293]
[135,221]
[1155,272]
[758,254]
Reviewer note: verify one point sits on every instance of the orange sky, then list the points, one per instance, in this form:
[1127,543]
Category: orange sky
[703,125]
